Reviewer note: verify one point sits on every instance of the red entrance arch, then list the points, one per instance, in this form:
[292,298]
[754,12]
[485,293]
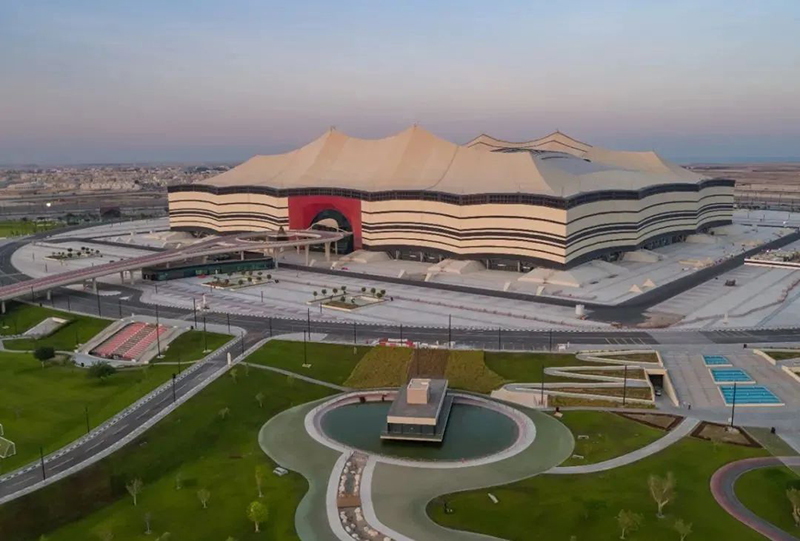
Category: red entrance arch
[303,209]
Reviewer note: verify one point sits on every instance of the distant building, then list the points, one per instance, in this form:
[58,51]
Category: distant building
[554,201]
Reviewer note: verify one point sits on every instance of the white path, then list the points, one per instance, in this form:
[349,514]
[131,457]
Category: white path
[683,429]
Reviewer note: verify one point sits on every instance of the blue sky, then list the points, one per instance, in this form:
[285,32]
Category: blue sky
[195,80]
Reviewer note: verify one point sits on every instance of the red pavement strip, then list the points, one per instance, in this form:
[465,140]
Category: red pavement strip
[723,481]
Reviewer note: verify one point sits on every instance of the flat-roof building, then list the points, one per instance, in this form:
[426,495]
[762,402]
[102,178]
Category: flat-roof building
[419,412]
[553,201]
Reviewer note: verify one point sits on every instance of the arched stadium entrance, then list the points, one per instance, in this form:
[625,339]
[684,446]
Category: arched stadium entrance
[333,220]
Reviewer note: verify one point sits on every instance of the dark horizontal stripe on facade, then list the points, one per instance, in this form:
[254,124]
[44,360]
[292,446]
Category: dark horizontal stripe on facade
[693,202]
[454,217]
[556,240]
[636,241]
[228,203]
[638,226]
[409,244]
[464,199]
[229,216]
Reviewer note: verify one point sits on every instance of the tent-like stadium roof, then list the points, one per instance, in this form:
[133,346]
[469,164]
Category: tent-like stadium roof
[415,159]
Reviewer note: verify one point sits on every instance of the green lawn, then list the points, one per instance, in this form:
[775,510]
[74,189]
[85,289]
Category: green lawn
[45,406]
[79,328]
[527,367]
[219,454]
[609,435]
[555,507]
[20,317]
[381,367]
[782,355]
[16,228]
[189,346]
[764,493]
[329,362]
[467,370]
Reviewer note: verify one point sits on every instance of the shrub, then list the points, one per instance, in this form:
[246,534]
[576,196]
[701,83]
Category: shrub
[101,370]
[44,353]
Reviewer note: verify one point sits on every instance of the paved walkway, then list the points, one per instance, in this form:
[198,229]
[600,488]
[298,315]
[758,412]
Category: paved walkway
[722,487]
[683,429]
[298,376]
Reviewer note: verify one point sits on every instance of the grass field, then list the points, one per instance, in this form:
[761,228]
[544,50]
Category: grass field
[45,406]
[643,393]
[381,367]
[16,228]
[467,370]
[20,317]
[609,435]
[641,357]
[782,355]
[78,328]
[329,362]
[189,346]
[550,507]
[211,452]
[527,367]
[764,493]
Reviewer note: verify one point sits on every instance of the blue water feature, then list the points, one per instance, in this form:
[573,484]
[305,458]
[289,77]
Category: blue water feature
[730,375]
[749,395]
[715,360]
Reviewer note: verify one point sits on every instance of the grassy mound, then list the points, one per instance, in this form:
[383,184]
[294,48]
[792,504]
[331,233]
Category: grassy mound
[381,367]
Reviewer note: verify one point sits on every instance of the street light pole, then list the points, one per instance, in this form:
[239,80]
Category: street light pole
[173,388]
[308,321]
[542,399]
[194,311]
[624,384]
[119,305]
[305,349]
[228,317]
[733,404]
[86,414]
[205,335]
[99,311]
[449,330]
[499,338]
[158,333]
[41,458]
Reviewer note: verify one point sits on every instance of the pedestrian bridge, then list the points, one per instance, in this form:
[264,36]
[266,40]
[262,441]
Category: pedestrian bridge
[265,241]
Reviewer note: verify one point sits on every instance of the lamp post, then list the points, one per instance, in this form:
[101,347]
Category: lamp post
[499,338]
[733,404]
[355,325]
[624,384]
[305,349]
[228,318]
[205,335]
[173,388]
[41,459]
[86,414]
[69,308]
[542,398]
[194,311]
[449,330]
[158,333]
[97,294]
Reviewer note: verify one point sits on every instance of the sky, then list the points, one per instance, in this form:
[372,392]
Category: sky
[209,81]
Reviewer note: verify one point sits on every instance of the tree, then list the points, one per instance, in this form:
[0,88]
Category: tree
[224,412]
[101,370]
[240,282]
[363,289]
[628,521]
[44,353]
[683,528]
[794,498]
[372,290]
[260,400]
[344,289]
[178,480]
[257,512]
[269,277]
[324,292]
[260,474]
[204,495]
[662,489]
[315,294]
[147,518]
[134,487]
[335,290]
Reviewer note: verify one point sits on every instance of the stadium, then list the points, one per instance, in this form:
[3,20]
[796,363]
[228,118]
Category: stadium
[554,201]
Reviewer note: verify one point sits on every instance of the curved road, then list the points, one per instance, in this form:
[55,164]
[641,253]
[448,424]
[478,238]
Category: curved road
[722,487]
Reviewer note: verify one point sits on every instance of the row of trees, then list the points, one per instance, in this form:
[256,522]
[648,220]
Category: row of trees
[373,291]
[257,512]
